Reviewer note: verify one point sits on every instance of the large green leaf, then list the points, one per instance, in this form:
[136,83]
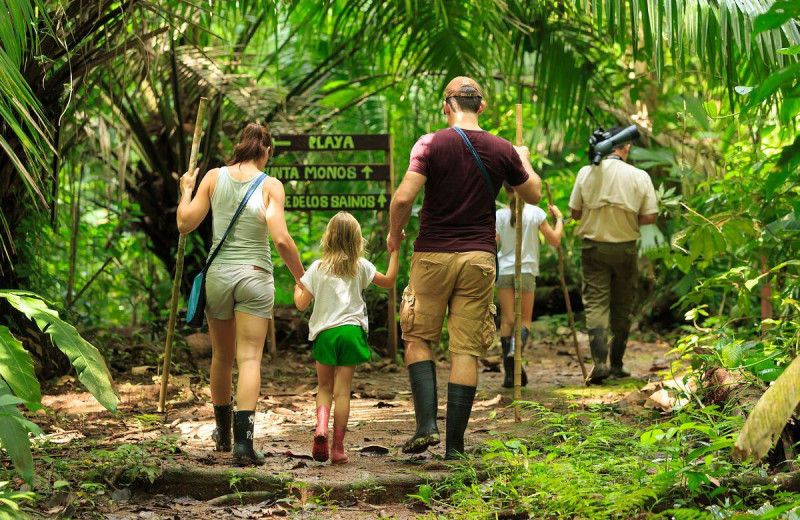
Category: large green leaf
[770,414]
[779,13]
[16,367]
[86,359]
[14,436]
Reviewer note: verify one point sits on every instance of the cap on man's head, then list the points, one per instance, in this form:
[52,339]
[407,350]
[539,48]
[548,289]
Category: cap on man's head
[462,86]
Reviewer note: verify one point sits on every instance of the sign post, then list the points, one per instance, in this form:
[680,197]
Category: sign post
[372,172]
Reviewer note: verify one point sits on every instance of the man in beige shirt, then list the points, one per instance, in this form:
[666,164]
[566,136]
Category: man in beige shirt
[611,201]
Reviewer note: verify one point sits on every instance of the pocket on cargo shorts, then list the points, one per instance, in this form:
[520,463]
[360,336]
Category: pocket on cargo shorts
[407,304]
[489,327]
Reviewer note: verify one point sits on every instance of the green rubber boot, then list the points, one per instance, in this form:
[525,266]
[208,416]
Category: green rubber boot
[459,408]
[423,389]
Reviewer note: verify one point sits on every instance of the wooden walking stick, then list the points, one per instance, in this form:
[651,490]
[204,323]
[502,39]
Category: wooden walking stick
[566,296]
[176,282]
[518,288]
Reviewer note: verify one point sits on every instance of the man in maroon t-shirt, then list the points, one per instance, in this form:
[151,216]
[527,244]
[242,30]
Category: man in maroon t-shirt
[453,265]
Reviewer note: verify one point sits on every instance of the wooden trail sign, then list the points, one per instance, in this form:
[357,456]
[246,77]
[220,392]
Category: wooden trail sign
[382,172]
[329,142]
[337,202]
[329,172]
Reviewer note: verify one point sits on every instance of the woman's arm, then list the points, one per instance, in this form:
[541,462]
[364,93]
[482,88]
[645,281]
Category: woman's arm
[302,298]
[387,280]
[276,222]
[191,212]
[553,236]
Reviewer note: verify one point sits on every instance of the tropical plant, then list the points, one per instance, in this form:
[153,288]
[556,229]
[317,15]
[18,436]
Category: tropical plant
[18,383]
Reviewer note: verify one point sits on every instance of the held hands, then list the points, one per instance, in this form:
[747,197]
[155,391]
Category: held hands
[393,241]
[554,212]
[188,181]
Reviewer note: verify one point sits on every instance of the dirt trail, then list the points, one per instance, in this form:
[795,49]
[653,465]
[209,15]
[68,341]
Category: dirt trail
[374,484]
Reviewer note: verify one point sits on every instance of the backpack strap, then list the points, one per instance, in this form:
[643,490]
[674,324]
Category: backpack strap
[485,173]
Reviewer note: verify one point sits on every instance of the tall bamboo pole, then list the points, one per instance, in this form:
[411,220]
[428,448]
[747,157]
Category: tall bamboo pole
[391,311]
[176,282]
[566,297]
[518,288]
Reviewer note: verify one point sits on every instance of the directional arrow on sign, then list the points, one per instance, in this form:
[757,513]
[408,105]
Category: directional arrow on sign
[366,170]
[282,143]
[382,200]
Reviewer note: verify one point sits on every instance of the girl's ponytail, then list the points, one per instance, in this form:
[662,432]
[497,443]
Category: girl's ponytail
[255,145]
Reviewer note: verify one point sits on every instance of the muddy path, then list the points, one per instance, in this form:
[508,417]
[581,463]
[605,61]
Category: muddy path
[196,482]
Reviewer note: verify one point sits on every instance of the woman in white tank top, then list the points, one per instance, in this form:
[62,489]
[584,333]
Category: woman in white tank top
[239,283]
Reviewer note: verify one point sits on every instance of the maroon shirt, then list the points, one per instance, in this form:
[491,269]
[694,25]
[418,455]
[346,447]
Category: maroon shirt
[457,215]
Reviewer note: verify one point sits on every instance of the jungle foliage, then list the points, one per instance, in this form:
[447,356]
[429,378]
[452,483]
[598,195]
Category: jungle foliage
[98,99]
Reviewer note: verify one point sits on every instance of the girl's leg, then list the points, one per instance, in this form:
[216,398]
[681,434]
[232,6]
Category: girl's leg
[341,412]
[325,379]
[506,297]
[527,310]
[223,352]
[251,331]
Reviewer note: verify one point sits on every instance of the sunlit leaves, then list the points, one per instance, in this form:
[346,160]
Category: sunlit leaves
[768,418]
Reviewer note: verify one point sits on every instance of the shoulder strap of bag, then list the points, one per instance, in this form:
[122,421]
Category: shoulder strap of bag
[486,177]
[239,210]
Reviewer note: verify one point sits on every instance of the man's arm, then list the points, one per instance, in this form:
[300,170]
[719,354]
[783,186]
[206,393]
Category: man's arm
[576,214]
[400,208]
[531,189]
[645,220]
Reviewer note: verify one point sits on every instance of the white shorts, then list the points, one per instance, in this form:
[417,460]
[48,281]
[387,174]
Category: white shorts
[238,287]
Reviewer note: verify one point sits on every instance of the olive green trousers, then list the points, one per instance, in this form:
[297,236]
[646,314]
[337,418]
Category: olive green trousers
[610,277]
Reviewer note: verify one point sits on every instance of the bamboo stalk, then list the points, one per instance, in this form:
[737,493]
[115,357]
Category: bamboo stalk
[566,297]
[518,289]
[391,310]
[176,282]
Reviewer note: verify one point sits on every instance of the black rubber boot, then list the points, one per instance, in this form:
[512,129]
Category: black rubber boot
[423,389]
[223,414]
[459,407]
[599,348]
[508,362]
[619,343]
[243,452]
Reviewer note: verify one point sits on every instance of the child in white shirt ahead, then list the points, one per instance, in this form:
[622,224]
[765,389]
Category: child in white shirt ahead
[338,325]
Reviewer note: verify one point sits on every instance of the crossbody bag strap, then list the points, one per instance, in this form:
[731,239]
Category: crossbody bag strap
[239,210]
[485,173]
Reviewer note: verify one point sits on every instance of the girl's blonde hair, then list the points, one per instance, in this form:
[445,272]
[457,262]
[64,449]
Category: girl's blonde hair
[342,246]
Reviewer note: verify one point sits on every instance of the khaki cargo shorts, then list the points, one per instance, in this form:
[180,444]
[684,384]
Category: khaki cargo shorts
[460,285]
[238,287]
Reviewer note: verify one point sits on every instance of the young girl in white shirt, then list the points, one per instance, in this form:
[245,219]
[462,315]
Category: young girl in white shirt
[338,325]
[534,220]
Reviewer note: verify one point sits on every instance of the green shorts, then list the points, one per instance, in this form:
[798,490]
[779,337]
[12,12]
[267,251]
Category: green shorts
[506,281]
[344,345]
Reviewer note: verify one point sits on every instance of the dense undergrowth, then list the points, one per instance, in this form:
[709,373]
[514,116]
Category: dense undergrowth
[596,463]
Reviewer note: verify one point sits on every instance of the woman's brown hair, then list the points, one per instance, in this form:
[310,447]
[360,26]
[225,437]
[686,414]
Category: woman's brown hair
[255,144]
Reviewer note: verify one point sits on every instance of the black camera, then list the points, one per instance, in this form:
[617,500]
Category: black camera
[602,143]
